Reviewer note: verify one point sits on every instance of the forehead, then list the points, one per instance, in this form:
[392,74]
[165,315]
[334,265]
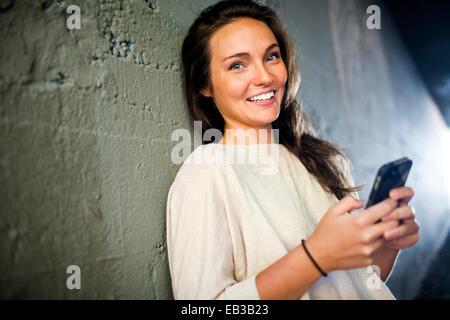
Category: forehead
[242,35]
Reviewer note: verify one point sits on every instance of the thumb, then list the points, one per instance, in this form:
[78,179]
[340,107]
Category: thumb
[346,204]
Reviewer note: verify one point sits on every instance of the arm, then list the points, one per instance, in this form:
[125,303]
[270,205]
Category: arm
[288,278]
[199,245]
[384,257]
[293,274]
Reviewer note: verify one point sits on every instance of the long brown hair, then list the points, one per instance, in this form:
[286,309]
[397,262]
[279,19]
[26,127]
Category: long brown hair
[296,133]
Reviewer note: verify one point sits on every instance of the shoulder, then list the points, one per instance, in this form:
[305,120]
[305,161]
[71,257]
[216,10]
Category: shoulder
[197,191]
[197,171]
[201,160]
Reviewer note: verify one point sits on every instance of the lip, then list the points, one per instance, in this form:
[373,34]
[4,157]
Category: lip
[263,92]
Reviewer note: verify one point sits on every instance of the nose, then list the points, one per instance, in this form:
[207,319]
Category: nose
[261,76]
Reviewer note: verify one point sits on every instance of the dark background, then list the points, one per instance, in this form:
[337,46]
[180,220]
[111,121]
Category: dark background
[424,27]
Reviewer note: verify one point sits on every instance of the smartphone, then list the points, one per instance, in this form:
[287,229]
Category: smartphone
[390,176]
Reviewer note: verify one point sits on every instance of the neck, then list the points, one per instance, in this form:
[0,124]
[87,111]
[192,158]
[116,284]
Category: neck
[248,136]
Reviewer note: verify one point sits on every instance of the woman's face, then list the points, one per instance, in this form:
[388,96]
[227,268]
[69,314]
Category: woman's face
[248,75]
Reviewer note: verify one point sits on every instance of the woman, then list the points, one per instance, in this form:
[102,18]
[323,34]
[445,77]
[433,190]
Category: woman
[233,233]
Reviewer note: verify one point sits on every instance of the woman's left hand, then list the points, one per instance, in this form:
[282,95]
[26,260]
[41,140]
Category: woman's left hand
[407,233]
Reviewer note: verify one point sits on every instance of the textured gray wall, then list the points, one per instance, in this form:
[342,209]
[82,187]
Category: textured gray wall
[86,118]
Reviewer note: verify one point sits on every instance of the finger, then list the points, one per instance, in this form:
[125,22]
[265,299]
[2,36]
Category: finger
[404,242]
[346,204]
[403,193]
[408,227]
[402,212]
[376,212]
[378,229]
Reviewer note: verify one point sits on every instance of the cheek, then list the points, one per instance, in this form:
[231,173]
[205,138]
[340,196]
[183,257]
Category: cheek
[236,88]
[282,74]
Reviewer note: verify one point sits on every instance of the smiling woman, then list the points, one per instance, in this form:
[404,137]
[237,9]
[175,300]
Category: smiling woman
[234,233]
[248,75]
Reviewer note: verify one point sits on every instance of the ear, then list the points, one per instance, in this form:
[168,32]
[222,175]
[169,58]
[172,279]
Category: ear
[206,92]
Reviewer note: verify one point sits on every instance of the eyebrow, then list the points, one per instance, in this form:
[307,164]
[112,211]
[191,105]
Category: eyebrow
[241,54]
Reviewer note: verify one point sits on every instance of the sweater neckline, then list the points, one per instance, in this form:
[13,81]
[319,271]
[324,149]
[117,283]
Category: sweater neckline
[269,147]
[245,145]
[262,151]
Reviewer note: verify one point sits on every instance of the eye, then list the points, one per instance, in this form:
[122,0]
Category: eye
[276,55]
[232,67]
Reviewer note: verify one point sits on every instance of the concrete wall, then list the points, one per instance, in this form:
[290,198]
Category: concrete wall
[86,118]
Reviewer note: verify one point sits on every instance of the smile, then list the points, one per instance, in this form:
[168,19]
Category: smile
[263,97]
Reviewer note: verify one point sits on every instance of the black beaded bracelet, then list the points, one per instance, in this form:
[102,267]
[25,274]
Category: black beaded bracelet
[315,263]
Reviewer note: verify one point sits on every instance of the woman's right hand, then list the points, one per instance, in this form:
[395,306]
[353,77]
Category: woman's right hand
[342,241]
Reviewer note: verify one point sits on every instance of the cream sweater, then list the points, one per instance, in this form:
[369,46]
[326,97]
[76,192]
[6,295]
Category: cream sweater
[228,221]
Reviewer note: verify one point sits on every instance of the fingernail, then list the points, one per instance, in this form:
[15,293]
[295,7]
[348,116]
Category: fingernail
[387,218]
[393,194]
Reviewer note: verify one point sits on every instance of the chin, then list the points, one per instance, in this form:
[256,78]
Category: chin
[267,118]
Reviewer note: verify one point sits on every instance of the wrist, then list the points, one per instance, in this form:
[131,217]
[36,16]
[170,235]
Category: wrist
[384,253]
[319,255]
[386,249]
[384,258]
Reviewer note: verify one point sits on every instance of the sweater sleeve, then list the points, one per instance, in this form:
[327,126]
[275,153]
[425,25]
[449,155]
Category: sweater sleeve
[199,245]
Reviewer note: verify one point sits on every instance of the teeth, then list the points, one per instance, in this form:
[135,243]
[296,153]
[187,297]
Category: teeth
[263,97]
